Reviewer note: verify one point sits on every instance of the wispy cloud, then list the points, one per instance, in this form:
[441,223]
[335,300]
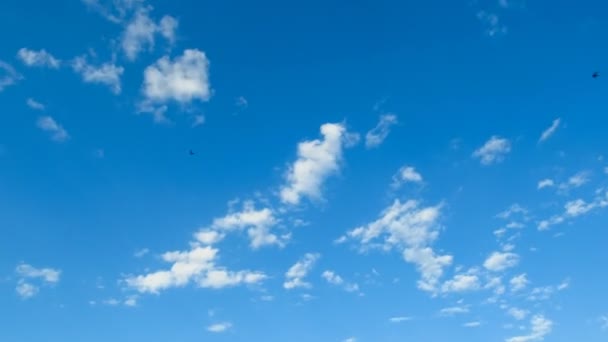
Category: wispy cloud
[57,132]
[493,151]
[39,58]
[547,133]
[376,136]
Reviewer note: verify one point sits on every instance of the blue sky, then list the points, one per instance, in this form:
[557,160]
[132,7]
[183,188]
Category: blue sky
[362,171]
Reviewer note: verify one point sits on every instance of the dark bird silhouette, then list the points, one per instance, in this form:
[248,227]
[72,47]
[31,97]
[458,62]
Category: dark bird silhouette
[596,74]
[191,153]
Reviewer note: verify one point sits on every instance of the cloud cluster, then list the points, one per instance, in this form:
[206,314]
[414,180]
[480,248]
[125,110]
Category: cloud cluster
[30,279]
[411,229]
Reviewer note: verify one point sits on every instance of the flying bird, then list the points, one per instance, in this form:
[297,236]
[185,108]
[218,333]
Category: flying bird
[191,153]
[596,74]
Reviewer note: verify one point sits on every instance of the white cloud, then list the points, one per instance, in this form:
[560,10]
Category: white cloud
[294,277]
[603,322]
[57,132]
[519,282]
[454,310]
[404,175]
[8,75]
[498,261]
[399,319]
[550,130]
[131,301]
[198,265]
[575,181]
[168,27]
[540,327]
[138,34]
[474,324]
[575,208]
[183,80]
[412,230]
[514,209]
[545,183]
[257,223]
[461,283]
[141,253]
[546,292]
[39,58]
[107,73]
[28,274]
[350,339]
[492,25]
[317,160]
[496,284]
[378,134]
[493,151]
[334,279]
[578,207]
[26,290]
[34,104]
[518,314]
[219,327]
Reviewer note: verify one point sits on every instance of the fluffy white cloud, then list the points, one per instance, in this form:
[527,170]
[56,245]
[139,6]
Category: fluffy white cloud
[499,261]
[39,58]
[27,274]
[454,310]
[183,80]
[350,339]
[34,104]
[404,175]
[294,277]
[550,130]
[317,160]
[257,223]
[198,265]
[219,327]
[492,25]
[220,278]
[545,183]
[461,283]
[8,75]
[412,230]
[519,282]
[57,132]
[378,134]
[107,73]
[540,327]
[518,314]
[474,324]
[493,151]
